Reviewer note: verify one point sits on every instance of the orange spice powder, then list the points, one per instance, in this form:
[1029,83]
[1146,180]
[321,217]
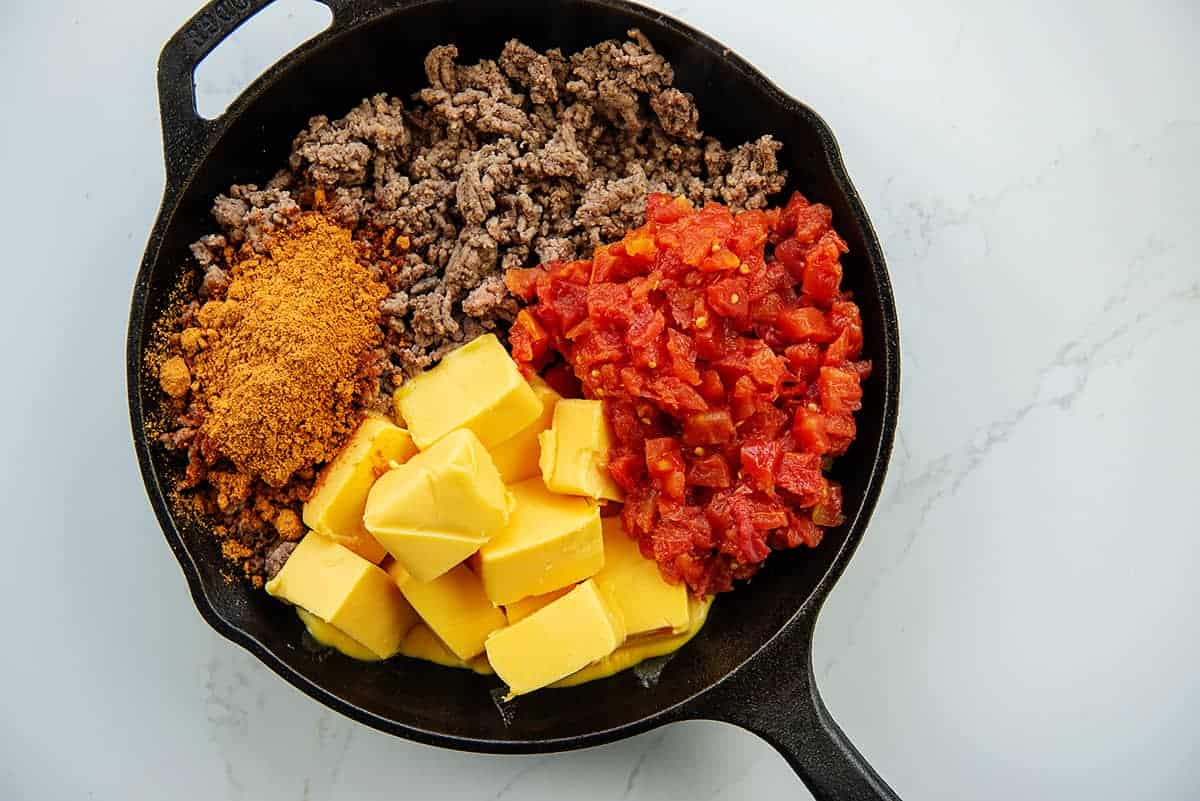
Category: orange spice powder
[283,353]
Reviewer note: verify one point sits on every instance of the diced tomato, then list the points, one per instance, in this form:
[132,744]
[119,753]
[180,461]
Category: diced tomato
[632,381]
[805,324]
[734,364]
[720,260]
[627,470]
[800,474]
[664,462]
[670,542]
[709,471]
[609,302]
[681,301]
[801,530]
[767,308]
[646,326]
[839,390]
[730,298]
[623,419]
[683,357]
[562,304]
[743,402]
[810,221]
[840,431]
[759,458]
[766,515]
[663,208]
[523,282]
[639,512]
[769,277]
[604,345]
[822,269]
[639,245]
[790,253]
[751,542]
[711,388]
[829,511]
[804,359]
[750,232]
[695,244]
[710,340]
[787,217]
[528,339]
[846,347]
[674,396]
[808,427]
[766,368]
[845,314]
[708,428]
[766,422]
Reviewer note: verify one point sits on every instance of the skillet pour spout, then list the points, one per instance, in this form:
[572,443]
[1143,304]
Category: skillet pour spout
[751,666]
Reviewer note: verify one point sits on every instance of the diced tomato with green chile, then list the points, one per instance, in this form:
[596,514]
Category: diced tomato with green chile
[730,364]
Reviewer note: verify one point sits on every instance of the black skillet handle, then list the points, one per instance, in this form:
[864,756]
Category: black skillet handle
[775,696]
[185,132]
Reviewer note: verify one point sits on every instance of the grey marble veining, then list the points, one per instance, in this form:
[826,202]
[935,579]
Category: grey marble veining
[1021,621]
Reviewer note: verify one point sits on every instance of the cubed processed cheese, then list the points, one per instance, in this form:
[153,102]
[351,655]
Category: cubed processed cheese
[561,638]
[478,387]
[346,591]
[453,606]
[422,643]
[517,457]
[636,589]
[335,638]
[336,505]
[574,451]
[436,509]
[519,610]
[550,541]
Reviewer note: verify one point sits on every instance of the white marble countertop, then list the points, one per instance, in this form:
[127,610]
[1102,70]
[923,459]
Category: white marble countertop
[1021,620]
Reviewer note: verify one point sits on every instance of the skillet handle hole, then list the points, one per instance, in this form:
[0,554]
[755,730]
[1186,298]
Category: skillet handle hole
[264,39]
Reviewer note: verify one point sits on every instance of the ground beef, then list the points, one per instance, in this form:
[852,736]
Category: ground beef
[277,557]
[533,157]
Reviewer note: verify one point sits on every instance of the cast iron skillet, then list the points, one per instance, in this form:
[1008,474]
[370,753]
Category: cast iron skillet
[751,666]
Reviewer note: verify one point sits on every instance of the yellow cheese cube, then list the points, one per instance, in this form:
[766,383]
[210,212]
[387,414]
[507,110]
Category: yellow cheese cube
[519,610]
[636,589]
[336,505]
[477,387]
[517,457]
[574,451]
[333,637]
[643,648]
[346,591]
[555,641]
[453,606]
[436,509]
[422,643]
[550,541]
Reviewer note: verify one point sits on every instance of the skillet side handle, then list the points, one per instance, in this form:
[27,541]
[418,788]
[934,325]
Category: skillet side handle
[184,131]
[775,696]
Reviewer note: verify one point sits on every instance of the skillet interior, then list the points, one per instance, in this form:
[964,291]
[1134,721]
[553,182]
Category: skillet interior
[439,705]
